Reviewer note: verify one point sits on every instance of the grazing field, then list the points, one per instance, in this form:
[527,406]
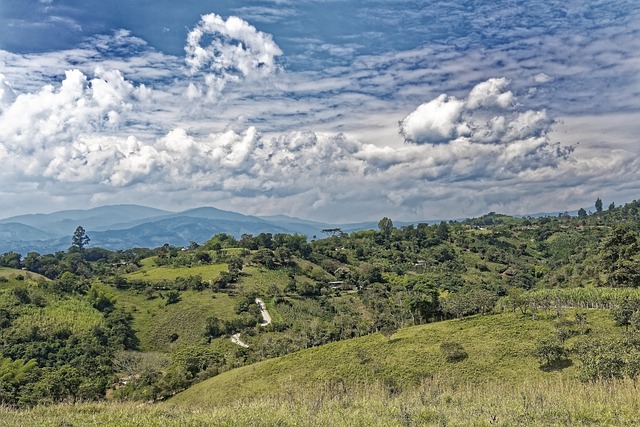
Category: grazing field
[11,277]
[157,323]
[149,272]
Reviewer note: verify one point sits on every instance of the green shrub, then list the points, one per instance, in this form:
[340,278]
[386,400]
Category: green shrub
[453,351]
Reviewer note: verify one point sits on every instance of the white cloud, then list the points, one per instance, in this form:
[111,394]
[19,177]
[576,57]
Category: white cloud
[542,78]
[487,115]
[237,51]
[79,105]
[435,121]
[490,94]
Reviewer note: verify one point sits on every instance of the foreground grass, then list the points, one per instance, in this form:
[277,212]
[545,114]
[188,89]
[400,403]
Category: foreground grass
[435,402]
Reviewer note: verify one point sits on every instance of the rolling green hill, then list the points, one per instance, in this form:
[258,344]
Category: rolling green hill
[374,381]
[499,349]
[10,277]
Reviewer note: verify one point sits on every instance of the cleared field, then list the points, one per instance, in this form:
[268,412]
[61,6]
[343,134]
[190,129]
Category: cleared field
[157,324]
[151,273]
[11,277]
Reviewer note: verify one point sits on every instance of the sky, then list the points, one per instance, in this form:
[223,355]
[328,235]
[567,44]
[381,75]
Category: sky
[331,110]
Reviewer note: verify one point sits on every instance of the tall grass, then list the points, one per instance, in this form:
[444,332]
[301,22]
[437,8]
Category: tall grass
[596,298]
[435,402]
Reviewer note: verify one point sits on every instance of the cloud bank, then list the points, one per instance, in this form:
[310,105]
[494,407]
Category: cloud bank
[70,138]
[115,121]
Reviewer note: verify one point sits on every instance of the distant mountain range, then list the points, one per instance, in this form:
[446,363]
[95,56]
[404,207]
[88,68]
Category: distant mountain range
[127,226]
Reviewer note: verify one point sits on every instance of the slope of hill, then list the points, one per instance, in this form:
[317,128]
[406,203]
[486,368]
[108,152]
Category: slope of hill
[15,231]
[177,230]
[373,381]
[499,349]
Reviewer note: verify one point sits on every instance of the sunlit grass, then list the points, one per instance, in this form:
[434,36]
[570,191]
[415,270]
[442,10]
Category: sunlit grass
[11,277]
[155,322]
[434,402]
[72,314]
[151,273]
[499,348]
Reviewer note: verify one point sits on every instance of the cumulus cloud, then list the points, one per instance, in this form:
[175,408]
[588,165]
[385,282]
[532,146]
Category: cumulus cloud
[79,105]
[434,121]
[490,94]
[488,115]
[60,129]
[236,51]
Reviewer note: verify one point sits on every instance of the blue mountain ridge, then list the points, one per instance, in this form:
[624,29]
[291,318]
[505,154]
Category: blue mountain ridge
[125,226]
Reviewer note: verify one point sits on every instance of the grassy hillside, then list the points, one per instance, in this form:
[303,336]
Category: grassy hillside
[157,324]
[149,272]
[372,381]
[499,348]
[10,277]
[434,403]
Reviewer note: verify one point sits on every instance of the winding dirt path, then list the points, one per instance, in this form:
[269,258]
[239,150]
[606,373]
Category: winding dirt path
[266,319]
[235,338]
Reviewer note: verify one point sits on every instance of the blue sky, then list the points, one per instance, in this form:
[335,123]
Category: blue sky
[330,110]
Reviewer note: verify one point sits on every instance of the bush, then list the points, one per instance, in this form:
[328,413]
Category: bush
[172,297]
[550,352]
[453,351]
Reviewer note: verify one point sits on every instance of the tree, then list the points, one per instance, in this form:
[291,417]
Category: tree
[11,260]
[612,206]
[624,313]
[600,359]
[549,352]
[598,205]
[385,225]
[213,327]
[617,252]
[443,231]
[79,239]
[582,213]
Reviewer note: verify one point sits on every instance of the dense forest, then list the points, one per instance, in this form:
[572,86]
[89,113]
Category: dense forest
[143,324]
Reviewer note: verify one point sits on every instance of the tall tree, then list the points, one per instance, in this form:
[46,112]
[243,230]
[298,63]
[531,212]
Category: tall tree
[386,226]
[617,257]
[598,205]
[443,231]
[79,239]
